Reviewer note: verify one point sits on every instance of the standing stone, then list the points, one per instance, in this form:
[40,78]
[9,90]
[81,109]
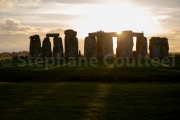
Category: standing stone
[90,47]
[119,46]
[46,48]
[31,47]
[35,46]
[155,47]
[127,44]
[100,40]
[164,47]
[38,46]
[138,46]
[144,48]
[57,48]
[79,54]
[141,47]
[107,48]
[71,44]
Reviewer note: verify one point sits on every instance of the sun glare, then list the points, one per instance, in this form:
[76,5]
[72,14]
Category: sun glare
[114,18]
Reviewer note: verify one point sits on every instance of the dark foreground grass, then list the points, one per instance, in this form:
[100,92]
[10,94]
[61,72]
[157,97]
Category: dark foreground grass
[52,71]
[69,100]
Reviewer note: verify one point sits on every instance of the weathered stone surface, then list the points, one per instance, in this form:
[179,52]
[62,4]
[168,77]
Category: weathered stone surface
[126,41]
[90,49]
[31,46]
[70,32]
[52,35]
[164,47]
[57,48]
[138,34]
[119,46]
[107,48]
[46,48]
[79,54]
[102,34]
[144,48]
[100,40]
[158,47]
[141,47]
[35,46]
[155,47]
[71,44]
[34,37]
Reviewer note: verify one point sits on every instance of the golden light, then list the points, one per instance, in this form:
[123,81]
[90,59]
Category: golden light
[114,18]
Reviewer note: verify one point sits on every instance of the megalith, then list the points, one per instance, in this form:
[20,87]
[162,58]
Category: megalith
[90,50]
[159,47]
[35,46]
[46,48]
[164,47]
[71,44]
[57,48]
[107,48]
[126,41]
[100,40]
[155,47]
[141,47]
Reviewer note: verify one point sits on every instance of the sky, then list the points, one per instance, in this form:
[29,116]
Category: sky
[20,19]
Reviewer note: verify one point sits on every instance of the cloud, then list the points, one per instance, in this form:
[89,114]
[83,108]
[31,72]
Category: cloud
[4,4]
[157,3]
[60,31]
[74,1]
[173,34]
[27,2]
[11,26]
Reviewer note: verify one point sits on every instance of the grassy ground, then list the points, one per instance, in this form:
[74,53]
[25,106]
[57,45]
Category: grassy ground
[55,71]
[69,100]
[41,89]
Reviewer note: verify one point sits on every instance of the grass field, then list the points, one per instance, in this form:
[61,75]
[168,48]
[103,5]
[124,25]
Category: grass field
[95,71]
[76,100]
[80,89]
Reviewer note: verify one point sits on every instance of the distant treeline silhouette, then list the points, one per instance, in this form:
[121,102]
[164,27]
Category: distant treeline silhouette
[14,54]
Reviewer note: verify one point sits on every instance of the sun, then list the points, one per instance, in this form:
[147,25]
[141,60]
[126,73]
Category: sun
[115,18]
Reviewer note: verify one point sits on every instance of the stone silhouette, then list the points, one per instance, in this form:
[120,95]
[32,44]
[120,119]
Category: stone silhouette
[57,48]
[35,46]
[104,44]
[100,40]
[141,47]
[46,48]
[158,47]
[71,44]
[52,35]
[126,44]
[90,50]
[57,45]
[164,47]
[107,48]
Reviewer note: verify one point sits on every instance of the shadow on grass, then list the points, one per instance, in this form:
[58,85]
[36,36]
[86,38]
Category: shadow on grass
[136,101]
[60,101]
